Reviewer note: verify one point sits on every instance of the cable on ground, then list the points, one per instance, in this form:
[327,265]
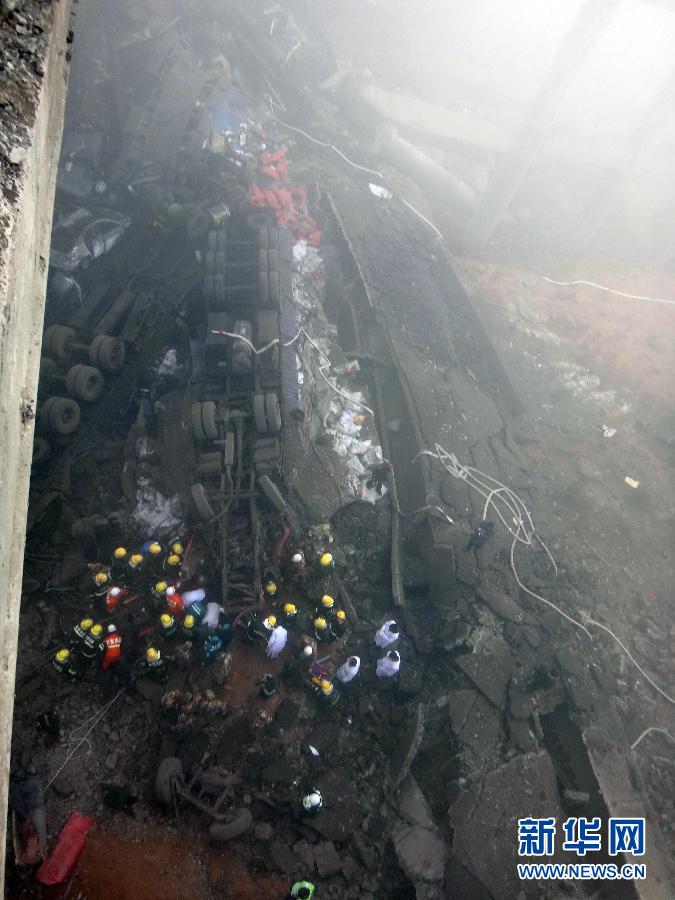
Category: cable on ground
[607,290]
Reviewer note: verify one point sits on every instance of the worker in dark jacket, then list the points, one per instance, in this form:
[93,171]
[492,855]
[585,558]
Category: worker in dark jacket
[93,646]
[155,665]
[61,661]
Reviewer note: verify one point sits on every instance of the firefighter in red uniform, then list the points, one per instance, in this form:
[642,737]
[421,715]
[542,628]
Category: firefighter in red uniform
[174,603]
[113,647]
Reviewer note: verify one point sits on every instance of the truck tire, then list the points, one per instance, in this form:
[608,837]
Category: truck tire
[259,416]
[107,353]
[263,239]
[212,240]
[220,262]
[85,383]
[196,417]
[259,219]
[169,773]
[209,420]
[210,262]
[61,415]
[272,492]
[41,451]
[273,259]
[201,503]
[263,288]
[48,367]
[58,340]
[219,832]
[210,464]
[208,289]
[274,291]
[272,412]
[222,239]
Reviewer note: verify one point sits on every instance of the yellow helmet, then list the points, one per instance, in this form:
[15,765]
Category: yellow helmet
[86,624]
[161,587]
[152,654]
[173,560]
[271,620]
[189,621]
[290,609]
[270,588]
[327,601]
[326,686]
[177,547]
[62,655]
[101,578]
[326,559]
[136,559]
[120,552]
[316,680]
[341,615]
[319,623]
[165,620]
[154,549]
[96,630]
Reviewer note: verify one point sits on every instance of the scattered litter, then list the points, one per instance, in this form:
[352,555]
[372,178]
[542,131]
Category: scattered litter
[608,432]
[153,510]
[631,482]
[380,191]
[313,750]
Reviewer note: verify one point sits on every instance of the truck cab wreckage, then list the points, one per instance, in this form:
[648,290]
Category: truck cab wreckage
[262,357]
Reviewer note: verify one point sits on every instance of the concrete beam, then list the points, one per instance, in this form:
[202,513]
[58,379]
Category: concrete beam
[26,222]
[513,166]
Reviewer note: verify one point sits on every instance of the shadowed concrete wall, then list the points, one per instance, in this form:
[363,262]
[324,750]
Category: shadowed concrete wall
[25,226]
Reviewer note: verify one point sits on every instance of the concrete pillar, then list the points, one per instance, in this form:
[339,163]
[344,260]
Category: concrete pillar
[26,219]
[512,168]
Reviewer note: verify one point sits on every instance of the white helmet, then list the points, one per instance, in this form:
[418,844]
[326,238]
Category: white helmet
[115,592]
[307,651]
[112,629]
[170,591]
[311,801]
[297,557]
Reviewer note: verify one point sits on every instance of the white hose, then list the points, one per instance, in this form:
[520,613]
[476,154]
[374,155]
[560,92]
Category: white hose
[330,147]
[608,290]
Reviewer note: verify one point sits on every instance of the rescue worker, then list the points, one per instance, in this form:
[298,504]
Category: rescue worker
[156,666]
[387,634]
[80,631]
[388,665]
[188,628]
[135,571]
[174,603]
[328,695]
[270,588]
[326,608]
[158,596]
[277,641]
[114,597]
[212,617]
[177,548]
[299,660]
[379,476]
[338,624]
[113,648]
[302,890]
[118,564]
[481,534]
[213,645]
[326,564]
[93,645]
[290,615]
[198,610]
[155,558]
[100,588]
[269,685]
[171,567]
[312,802]
[167,627]
[190,597]
[61,661]
[348,670]
[322,631]
[298,562]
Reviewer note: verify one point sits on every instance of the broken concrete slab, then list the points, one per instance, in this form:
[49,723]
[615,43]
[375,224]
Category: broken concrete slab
[412,804]
[365,851]
[489,667]
[525,786]
[502,604]
[327,859]
[420,851]
[305,851]
[283,857]
[482,732]
[460,704]
[341,814]
[405,753]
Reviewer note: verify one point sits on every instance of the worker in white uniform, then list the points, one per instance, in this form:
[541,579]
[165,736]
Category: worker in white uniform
[348,670]
[190,597]
[387,634]
[388,665]
[276,642]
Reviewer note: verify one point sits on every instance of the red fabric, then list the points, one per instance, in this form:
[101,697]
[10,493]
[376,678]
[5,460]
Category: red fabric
[290,207]
[113,649]
[61,861]
[111,603]
[174,606]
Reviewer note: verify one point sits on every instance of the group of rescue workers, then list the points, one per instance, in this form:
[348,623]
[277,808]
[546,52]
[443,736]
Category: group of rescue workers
[177,610]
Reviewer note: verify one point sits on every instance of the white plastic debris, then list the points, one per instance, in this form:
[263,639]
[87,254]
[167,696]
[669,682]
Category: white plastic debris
[313,750]
[169,363]
[380,191]
[608,432]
